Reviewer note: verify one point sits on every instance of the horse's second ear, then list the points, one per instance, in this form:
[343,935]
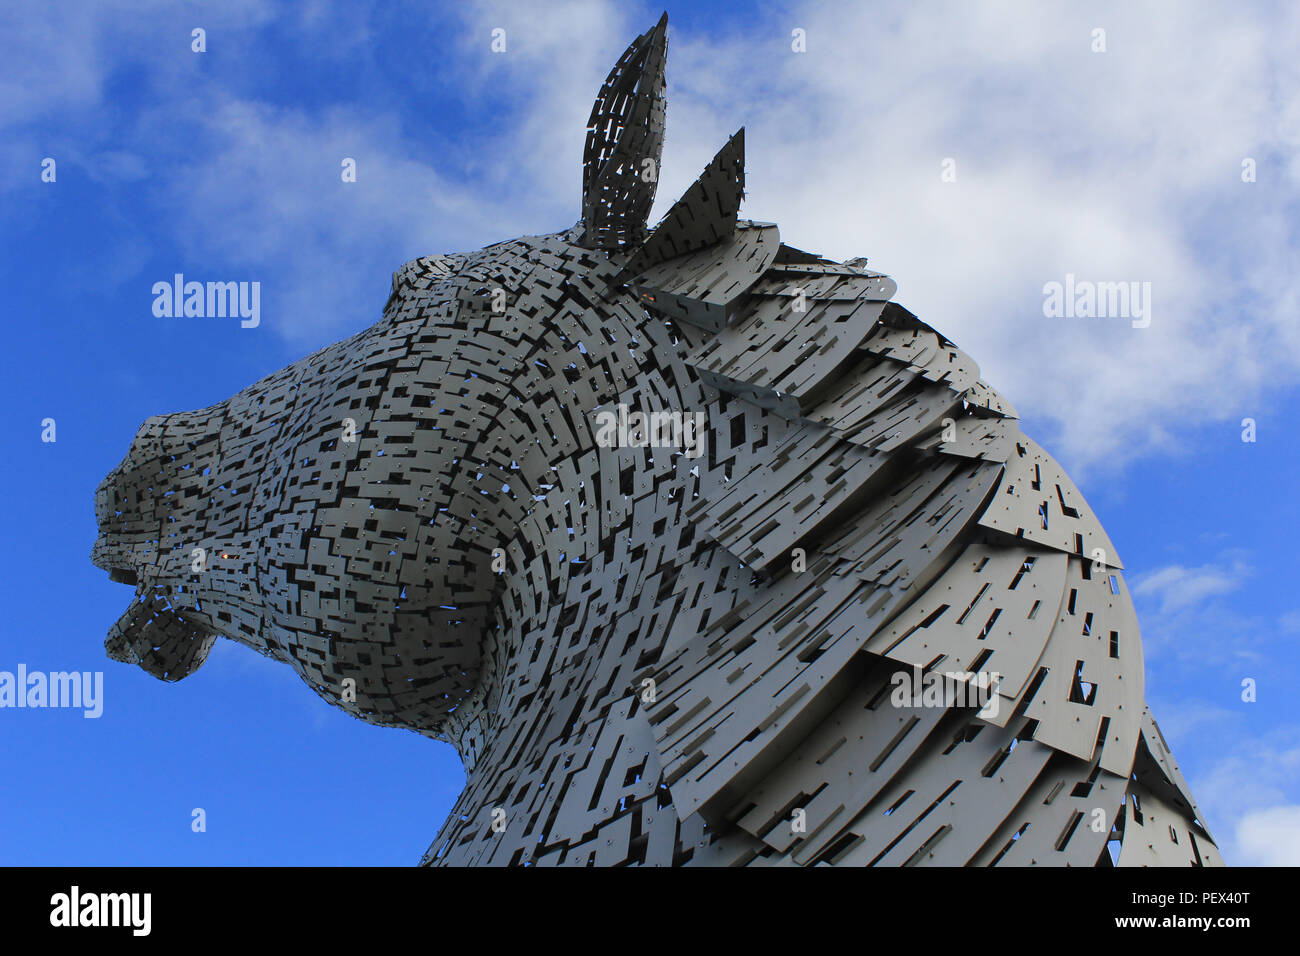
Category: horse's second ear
[625,139]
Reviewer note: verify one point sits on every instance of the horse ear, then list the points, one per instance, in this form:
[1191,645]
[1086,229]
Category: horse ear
[625,140]
[705,214]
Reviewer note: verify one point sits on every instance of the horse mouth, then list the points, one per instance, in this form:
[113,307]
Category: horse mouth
[162,640]
[121,575]
[168,642]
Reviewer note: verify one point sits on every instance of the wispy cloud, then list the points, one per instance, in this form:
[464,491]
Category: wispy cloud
[1249,798]
[1177,587]
[1269,837]
[1210,619]
[1067,161]
[1099,164]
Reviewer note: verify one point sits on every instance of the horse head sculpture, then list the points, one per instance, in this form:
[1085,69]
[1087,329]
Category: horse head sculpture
[671,532]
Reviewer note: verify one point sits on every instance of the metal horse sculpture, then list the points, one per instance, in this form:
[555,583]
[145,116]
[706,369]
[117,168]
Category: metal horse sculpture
[696,546]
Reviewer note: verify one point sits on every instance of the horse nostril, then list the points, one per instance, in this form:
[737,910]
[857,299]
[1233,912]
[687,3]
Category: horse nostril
[123,576]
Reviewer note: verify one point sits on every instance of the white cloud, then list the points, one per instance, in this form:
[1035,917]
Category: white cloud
[1123,165]
[1068,161]
[1182,718]
[1189,622]
[267,197]
[1178,587]
[1242,793]
[1269,837]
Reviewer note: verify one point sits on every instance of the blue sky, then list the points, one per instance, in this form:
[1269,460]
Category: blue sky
[1123,164]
